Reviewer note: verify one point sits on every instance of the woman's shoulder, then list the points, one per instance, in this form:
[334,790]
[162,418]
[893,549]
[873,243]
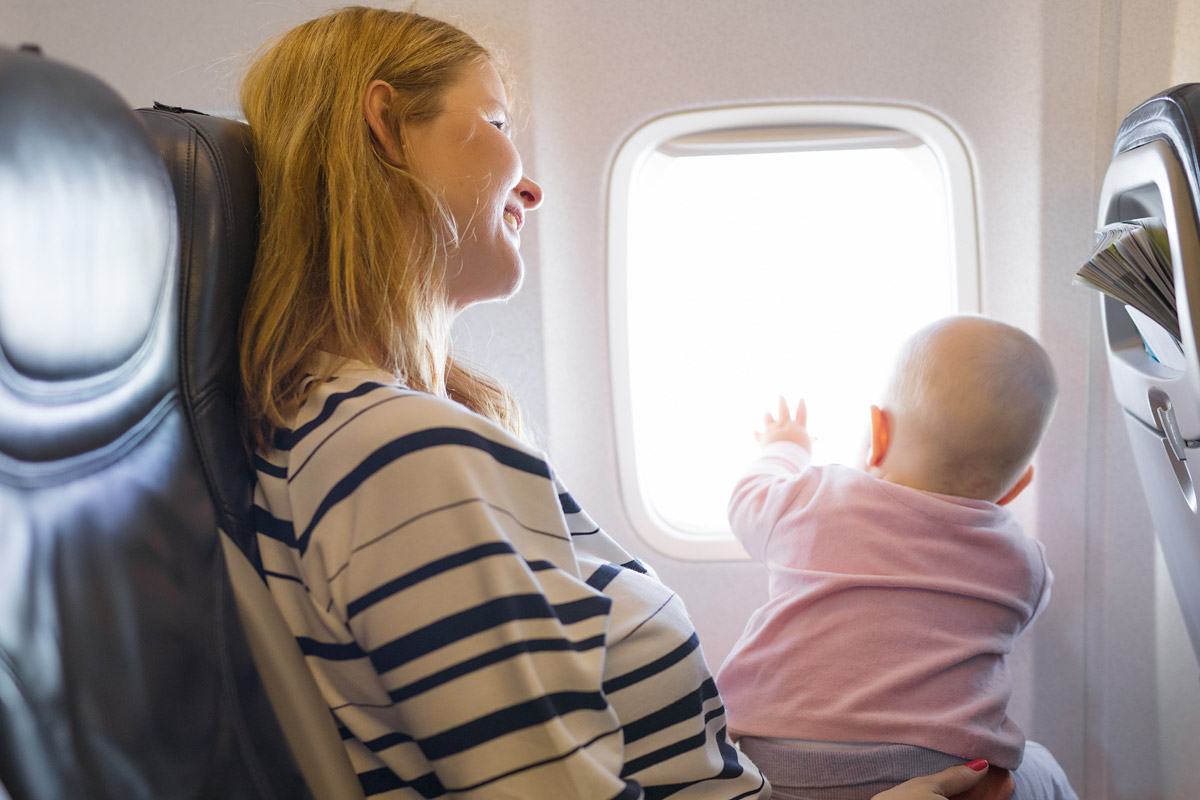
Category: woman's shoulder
[360,403]
[361,419]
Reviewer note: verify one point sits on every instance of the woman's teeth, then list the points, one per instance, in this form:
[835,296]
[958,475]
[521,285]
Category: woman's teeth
[510,218]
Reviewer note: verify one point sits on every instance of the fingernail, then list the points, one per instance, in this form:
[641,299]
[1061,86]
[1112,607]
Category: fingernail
[979,764]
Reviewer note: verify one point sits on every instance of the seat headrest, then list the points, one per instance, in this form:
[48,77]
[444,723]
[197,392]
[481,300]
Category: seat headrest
[211,165]
[1172,116]
[87,253]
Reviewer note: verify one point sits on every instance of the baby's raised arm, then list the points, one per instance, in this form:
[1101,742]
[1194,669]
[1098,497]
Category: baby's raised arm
[787,428]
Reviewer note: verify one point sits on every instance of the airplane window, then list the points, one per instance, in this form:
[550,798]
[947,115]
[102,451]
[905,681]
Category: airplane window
[766,251]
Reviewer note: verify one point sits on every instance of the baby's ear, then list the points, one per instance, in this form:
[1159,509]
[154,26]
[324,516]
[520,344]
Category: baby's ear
[880,436]
[1017,488]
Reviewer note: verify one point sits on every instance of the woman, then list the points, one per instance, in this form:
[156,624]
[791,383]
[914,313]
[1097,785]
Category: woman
[474,633]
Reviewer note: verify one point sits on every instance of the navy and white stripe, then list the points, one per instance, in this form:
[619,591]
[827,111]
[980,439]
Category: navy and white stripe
[474,632]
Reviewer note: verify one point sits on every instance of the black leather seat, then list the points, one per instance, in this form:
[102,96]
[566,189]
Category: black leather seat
[212,169]
[124,668]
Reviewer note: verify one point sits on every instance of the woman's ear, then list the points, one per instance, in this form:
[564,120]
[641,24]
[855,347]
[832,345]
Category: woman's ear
[880,436]
[376,102]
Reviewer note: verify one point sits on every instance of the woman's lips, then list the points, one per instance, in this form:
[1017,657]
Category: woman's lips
[513,217]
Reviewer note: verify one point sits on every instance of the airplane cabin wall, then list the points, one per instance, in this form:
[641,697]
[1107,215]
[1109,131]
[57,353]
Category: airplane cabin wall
[1036,89]
[1140,729]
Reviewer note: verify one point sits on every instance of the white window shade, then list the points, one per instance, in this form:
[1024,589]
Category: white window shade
[786,139]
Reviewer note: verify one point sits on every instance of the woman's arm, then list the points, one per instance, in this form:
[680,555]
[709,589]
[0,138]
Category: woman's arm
[442,610]
[657,680]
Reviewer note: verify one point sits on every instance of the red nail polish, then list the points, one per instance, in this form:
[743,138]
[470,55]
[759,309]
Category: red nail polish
[979,764]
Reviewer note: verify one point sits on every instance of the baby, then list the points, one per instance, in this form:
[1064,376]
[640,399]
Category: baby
[896,590]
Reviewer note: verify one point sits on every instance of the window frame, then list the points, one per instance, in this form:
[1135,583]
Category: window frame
[721,126]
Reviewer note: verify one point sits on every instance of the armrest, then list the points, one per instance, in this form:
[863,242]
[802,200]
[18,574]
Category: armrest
[303,714]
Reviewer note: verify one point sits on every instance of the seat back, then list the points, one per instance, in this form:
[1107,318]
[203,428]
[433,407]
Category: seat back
[212,169]
[1155,172]
[124,669]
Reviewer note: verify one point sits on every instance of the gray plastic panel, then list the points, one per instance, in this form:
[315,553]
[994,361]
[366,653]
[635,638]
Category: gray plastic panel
[303,713]
[1148,181]
[1162,403]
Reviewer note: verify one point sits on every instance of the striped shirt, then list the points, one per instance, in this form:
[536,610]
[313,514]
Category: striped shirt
[474,633]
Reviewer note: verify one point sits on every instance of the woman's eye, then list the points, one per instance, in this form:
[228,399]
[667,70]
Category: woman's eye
[500,124]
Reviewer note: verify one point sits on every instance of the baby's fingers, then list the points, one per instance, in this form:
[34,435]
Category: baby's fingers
[784,414]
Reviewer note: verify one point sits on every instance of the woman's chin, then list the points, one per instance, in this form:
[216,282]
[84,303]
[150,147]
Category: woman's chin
[492,294]
[474,283]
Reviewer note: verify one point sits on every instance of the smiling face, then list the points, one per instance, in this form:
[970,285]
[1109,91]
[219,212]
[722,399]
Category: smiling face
[466,157]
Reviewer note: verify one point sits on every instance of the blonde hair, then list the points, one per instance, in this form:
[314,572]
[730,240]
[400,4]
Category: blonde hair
[974,396]
[350,253]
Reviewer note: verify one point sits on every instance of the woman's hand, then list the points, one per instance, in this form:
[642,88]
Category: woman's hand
[787,428]
[945,784]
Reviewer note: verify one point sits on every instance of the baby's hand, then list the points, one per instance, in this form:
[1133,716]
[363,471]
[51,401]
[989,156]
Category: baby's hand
[787,428]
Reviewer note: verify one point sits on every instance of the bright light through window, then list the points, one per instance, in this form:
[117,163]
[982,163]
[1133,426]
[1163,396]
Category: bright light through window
[751,275]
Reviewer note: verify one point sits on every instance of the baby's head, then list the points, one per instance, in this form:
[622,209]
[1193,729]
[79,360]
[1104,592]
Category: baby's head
[966,406]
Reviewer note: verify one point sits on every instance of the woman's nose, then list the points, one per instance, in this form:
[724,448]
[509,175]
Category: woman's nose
[530,193]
